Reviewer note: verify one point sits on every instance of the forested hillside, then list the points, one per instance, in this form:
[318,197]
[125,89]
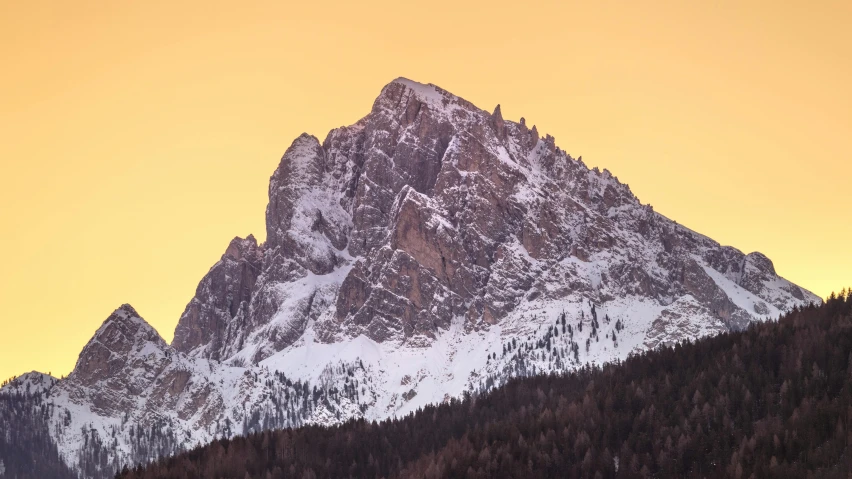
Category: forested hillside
[26,450]
[774,400]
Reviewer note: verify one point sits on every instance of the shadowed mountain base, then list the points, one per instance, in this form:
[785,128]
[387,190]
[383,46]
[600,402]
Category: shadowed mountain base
[771,401]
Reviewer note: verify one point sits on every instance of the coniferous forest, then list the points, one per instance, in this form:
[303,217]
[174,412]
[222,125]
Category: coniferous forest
[774,400]
[26,450]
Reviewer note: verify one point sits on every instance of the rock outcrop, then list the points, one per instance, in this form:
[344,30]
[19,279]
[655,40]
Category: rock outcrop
[214,321]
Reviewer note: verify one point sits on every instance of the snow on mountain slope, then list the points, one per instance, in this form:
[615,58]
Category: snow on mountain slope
[132,398]
[29,384]
[431,249]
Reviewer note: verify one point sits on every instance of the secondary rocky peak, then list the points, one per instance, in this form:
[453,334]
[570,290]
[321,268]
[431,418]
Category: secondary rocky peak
[215,317]
[123,339]
[125,327]
[303,220]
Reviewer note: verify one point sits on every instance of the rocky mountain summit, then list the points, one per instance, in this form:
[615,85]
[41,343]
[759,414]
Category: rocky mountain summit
[431,209]
[430,249]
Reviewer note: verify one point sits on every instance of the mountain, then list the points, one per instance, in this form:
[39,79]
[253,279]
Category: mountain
[409,258]
[770,401]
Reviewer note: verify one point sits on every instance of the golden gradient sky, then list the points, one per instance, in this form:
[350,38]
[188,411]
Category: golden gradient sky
[137,138]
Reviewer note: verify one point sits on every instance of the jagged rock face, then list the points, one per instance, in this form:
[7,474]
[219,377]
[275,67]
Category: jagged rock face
[431,209]
[127,368]
[213,323]
[304,223]
[307,231]
[122,346]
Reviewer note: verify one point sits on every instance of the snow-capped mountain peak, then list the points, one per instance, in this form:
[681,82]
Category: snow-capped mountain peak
[430,249]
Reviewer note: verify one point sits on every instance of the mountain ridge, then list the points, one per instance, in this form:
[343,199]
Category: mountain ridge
[421,253]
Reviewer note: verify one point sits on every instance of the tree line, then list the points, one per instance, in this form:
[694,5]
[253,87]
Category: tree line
[774,400]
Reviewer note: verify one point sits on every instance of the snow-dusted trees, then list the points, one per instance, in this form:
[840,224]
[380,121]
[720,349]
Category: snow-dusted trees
[770,401]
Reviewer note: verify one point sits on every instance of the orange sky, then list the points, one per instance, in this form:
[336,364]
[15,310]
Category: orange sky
[137,138]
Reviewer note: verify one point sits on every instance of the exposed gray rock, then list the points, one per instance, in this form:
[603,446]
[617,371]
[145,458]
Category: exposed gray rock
[437,209]
[213,323]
